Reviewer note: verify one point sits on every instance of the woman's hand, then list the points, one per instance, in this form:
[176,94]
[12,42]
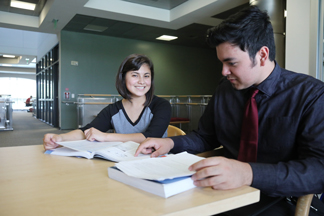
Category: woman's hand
[49,141]
[93,134]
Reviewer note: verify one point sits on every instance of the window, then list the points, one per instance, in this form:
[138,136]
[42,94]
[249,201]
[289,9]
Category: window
[19,88]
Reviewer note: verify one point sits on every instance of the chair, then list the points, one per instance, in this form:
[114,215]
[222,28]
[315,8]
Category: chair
[180,121]
[303,205]
[303,202]
[175,131]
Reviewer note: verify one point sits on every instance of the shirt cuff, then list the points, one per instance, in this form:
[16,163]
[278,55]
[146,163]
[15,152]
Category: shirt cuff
[178,147]
[264,177]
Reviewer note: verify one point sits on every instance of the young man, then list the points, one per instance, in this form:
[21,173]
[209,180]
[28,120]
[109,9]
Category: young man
[28,103]
[290,139]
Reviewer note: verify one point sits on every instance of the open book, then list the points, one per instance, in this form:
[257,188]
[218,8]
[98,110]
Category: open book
[113,151]
[163,176]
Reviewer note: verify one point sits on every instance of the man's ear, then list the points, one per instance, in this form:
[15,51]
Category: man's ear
[263,55]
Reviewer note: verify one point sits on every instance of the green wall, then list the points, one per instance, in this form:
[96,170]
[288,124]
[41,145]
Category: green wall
[179,70]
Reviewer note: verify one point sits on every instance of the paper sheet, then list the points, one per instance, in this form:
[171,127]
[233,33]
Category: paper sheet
[161,168]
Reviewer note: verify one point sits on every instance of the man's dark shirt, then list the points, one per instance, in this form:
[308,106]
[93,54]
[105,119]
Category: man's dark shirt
[290,159]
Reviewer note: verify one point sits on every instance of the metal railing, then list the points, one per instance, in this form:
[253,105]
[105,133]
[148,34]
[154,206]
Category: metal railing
[186,107]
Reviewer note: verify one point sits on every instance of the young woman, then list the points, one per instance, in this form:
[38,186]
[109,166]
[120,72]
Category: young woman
[139,115]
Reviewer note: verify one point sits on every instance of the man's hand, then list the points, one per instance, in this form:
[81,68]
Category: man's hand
[93,134]
[158,146]
[49,141]
[221,173]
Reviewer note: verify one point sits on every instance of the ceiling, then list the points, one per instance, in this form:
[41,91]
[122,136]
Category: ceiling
[134,19]
[5,6]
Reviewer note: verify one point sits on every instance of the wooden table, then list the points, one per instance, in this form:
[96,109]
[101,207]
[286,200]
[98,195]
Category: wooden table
[32,183]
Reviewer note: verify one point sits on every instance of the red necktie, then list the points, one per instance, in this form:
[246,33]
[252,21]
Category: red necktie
[249,133]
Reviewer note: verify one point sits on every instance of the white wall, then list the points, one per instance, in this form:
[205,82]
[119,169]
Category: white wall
[298,35]
[45,43]
[26,76]
[21,42]
[18,42]
[301,36]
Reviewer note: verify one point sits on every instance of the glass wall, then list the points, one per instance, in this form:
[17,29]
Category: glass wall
[47,88]
[20,89]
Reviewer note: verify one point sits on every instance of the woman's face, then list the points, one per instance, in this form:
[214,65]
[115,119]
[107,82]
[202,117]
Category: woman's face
[138,82]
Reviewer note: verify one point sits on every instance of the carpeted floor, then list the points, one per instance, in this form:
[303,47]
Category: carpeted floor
[27,130]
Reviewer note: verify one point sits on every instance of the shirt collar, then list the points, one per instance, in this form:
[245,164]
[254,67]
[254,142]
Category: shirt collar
[268,86]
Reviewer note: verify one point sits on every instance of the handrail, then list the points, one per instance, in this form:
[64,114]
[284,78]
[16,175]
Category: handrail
[102,103]
[45,99]
[194,96]
[68,102]
[184,95]
[162,96]
[94,103]
[109,95]
[184,103]
[1,101]
[103,95]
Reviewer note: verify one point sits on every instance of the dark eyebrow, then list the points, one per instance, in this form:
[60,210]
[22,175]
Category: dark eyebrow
[228,59]
[136,72]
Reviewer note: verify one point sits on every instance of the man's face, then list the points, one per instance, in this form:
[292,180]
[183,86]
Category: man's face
[238,67]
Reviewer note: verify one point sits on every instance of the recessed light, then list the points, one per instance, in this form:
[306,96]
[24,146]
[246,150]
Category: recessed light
[22,5]
[95,28]
[166,38]
[9,56]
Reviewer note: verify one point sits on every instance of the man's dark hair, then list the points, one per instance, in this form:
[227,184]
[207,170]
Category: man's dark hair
[134,62]
[250,29]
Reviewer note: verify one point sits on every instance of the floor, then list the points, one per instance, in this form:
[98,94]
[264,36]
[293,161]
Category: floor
[27,130]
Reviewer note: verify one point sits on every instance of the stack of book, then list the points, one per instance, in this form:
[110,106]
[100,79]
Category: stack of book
[164,176]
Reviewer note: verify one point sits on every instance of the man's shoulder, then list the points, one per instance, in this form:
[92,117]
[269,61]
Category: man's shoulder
[301,79]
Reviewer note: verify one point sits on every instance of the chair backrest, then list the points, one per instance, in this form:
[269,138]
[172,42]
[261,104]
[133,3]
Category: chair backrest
[303,205]
[175,131]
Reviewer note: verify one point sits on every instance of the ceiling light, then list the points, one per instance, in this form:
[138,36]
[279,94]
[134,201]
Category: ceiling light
[9,56]
[95,28]
[34,60]
[22,5]
[6,65]
[166,38]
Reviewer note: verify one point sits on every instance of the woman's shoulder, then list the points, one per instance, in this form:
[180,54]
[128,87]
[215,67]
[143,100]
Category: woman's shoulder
[158,102]
[157,99]
[114,107]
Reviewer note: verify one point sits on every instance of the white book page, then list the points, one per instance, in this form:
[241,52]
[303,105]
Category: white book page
[122,152]
[63,151]
[160,168]
[86,145]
